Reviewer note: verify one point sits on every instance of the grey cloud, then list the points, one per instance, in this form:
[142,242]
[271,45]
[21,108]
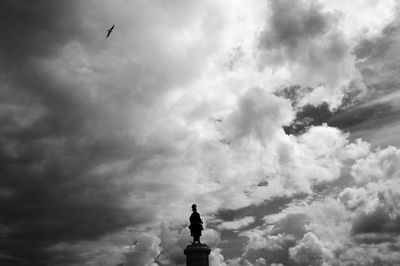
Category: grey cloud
[376,238]
[273,205]
[295,93]
[309,116]
[370,223]
[377,60]
[37,169]
[353,115]
[232,243]
[50,148]
[379,254]
[271,256]
[292,224]
[84,156]
[35,29]
[292,22]
[353,120]
[274,245]
[306,39]
[384,219]
[310,251]
[85,142]
[259,114]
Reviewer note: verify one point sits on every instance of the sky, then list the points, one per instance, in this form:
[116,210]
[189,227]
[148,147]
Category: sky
[278,118]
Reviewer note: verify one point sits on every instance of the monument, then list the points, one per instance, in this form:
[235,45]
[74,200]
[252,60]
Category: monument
[196,252]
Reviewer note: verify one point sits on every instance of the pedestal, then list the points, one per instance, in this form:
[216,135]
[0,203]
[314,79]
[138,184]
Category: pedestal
[197,255]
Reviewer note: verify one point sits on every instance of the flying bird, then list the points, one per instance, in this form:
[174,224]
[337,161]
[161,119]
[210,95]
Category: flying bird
[109,31]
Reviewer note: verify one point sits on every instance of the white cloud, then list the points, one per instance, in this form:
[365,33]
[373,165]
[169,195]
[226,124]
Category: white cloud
[261,262]
[236,224]
[216,257]
[383,164]
[310,250]
[366,214]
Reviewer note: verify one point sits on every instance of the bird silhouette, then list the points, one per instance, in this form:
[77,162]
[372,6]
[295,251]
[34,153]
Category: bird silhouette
[109,31]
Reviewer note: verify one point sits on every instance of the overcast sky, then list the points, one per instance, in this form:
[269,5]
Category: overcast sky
[279,118]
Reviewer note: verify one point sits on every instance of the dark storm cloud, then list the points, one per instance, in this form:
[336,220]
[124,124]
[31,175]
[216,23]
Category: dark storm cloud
[83,154]
[50,139]
[35,29]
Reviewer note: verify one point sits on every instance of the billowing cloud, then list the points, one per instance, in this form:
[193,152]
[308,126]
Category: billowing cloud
[105,143]
[307,39]
[259,115]
[384,164]
[326,231]
[311,251]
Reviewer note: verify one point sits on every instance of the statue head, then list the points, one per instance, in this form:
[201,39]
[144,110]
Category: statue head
[194,207]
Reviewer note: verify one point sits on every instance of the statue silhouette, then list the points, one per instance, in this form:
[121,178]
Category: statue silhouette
[196,225]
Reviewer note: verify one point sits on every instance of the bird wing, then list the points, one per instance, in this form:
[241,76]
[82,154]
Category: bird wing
[109,31]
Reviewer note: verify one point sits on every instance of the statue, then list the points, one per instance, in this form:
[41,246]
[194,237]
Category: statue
[196,225]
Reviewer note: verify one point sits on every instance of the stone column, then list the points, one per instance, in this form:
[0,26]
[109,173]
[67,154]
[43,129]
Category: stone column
[197,255]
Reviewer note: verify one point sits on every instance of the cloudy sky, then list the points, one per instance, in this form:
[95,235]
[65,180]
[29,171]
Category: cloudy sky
[279,118]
